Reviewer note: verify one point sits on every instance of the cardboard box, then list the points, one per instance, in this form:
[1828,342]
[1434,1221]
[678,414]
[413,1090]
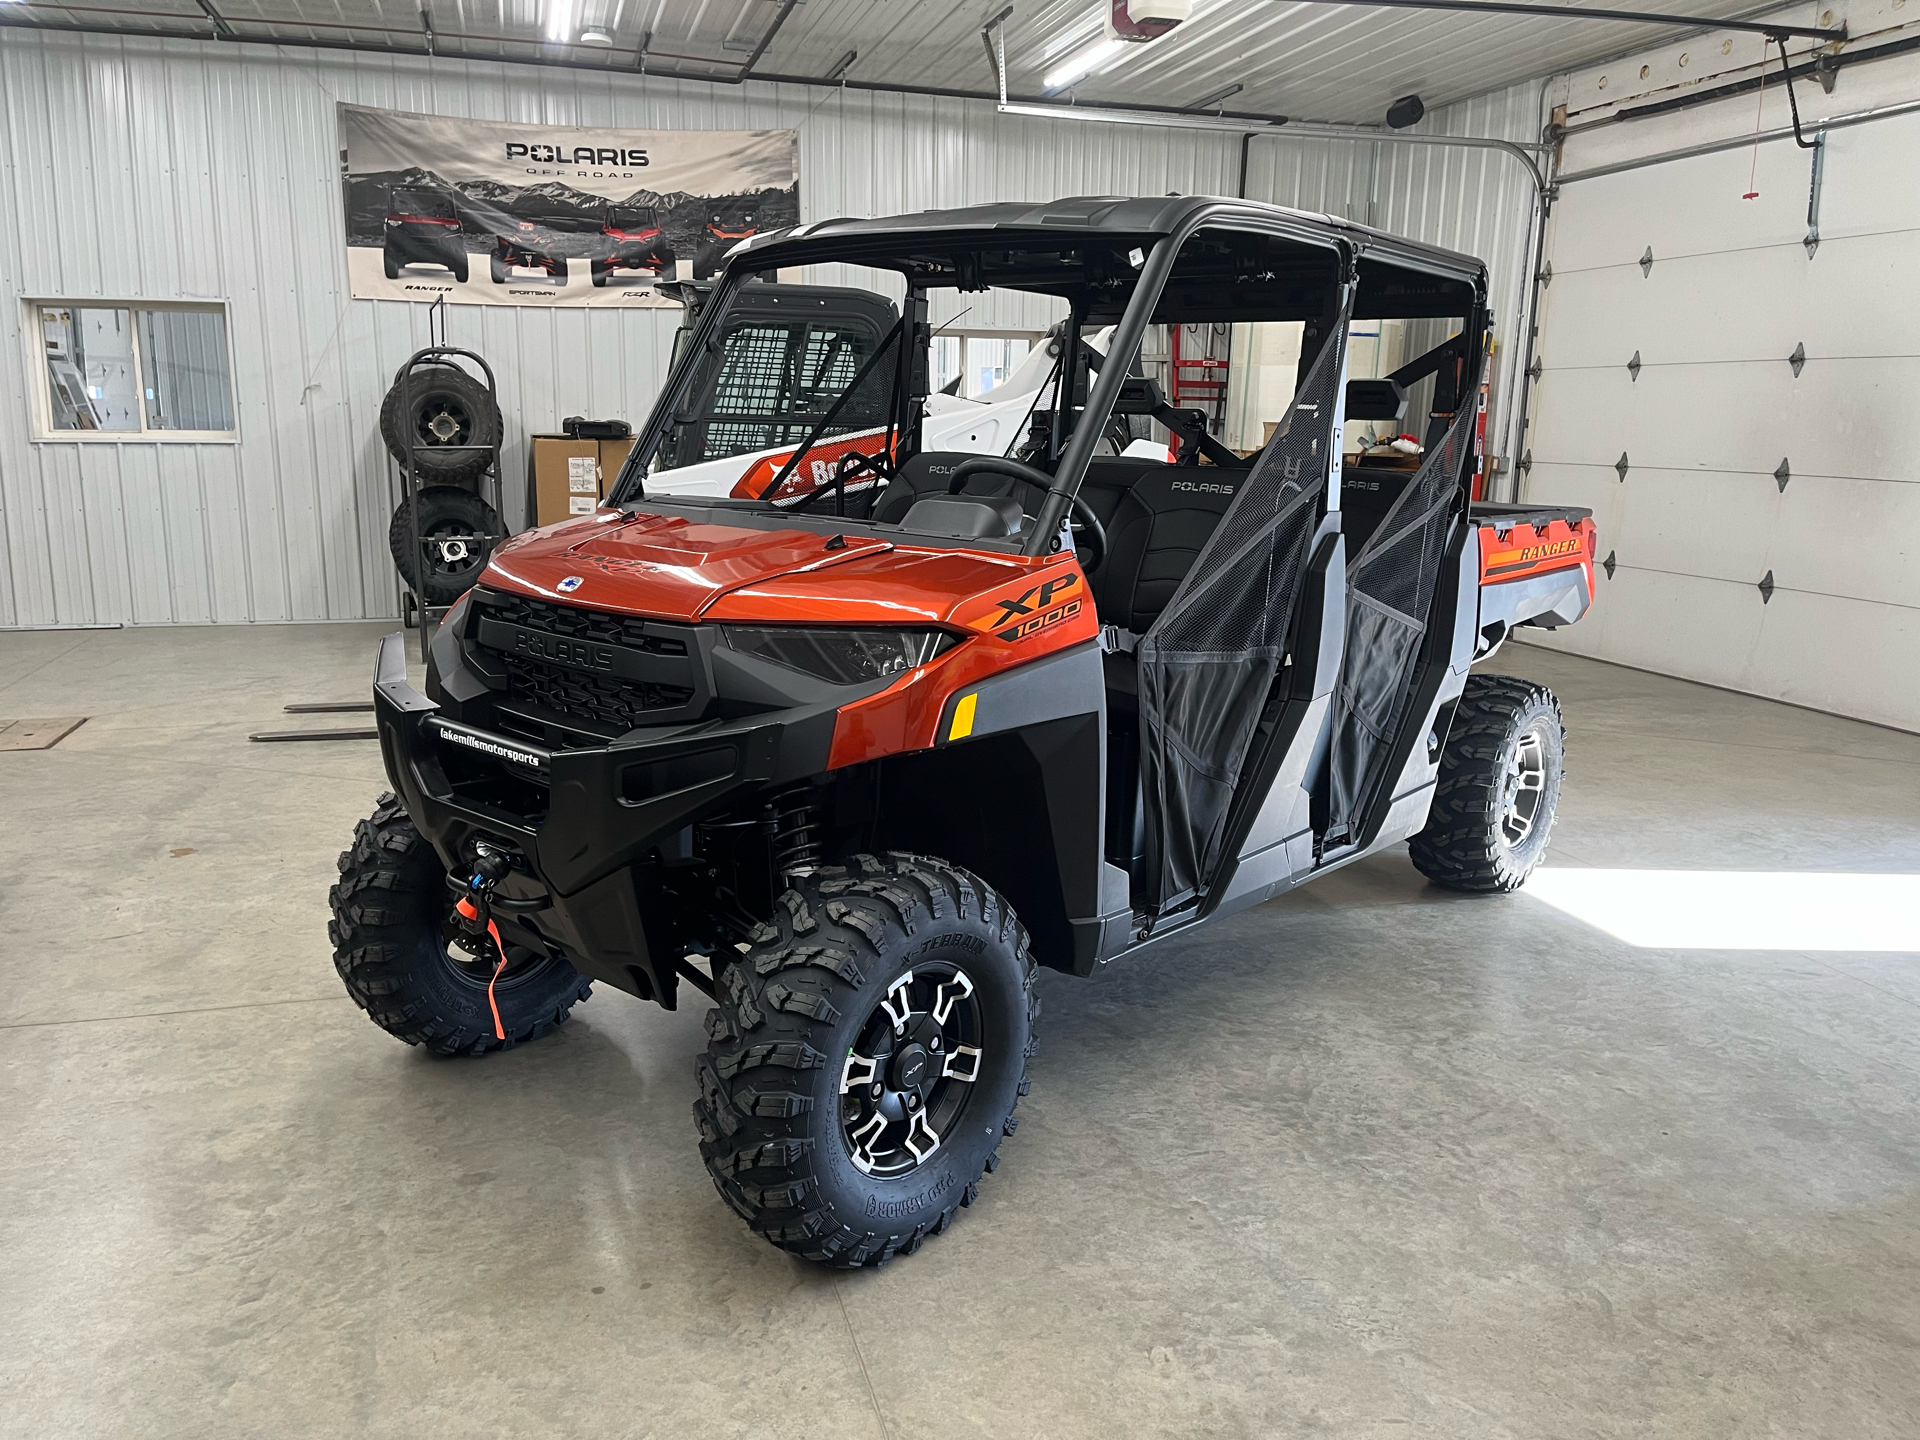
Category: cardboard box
[571,477]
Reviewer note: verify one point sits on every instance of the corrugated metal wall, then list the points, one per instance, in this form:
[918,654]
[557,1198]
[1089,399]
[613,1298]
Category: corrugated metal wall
[1476,201]
[175,171]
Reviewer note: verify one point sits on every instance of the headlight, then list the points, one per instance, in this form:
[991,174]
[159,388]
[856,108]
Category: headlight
[846,657]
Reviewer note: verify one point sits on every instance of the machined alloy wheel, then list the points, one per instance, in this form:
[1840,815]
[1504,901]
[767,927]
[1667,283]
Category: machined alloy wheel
[906,1081]
[1498,787]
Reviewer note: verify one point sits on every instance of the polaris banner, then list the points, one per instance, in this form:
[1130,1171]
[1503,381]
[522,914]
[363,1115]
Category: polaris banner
[485,213]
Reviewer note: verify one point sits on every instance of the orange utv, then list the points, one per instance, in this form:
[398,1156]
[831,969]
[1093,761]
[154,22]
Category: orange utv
[851,765]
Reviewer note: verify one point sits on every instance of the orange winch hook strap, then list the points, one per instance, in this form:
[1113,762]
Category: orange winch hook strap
[499,1031]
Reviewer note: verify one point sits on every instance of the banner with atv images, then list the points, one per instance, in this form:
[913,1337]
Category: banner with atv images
[485,213]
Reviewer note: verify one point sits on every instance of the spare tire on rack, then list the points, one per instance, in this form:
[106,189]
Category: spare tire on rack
[458,531]
[449,412]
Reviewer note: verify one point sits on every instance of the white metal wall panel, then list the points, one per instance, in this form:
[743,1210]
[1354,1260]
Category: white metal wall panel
[1476,201]
[203,171]
[1699,518]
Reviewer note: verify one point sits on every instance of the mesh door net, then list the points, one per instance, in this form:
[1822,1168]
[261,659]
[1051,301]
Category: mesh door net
[1390,587]
[1206,665]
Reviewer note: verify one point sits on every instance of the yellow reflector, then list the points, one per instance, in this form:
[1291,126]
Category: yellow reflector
[963,717]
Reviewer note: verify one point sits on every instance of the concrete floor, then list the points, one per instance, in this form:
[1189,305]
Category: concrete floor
[1374,1160]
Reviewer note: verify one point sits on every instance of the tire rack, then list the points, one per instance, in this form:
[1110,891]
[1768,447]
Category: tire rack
[414,609]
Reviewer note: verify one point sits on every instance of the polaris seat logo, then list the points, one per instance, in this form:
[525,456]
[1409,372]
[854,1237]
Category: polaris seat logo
[1197,487]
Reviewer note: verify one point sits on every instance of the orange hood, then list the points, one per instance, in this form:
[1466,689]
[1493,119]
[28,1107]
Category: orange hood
[670,568]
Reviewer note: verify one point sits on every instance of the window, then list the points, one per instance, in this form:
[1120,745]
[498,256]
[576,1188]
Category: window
[125,371]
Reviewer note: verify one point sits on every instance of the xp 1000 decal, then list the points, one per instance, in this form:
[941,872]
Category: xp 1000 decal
[488,213]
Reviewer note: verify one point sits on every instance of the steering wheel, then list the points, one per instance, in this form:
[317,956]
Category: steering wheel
[1084,521]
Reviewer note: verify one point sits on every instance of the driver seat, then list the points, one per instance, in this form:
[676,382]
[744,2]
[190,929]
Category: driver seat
[928,474]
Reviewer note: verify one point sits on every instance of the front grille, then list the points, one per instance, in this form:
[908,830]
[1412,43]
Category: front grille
[580,624]
[604,703]
[623,704]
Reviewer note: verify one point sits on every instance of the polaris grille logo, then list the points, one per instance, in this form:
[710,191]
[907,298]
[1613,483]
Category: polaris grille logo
[490,747]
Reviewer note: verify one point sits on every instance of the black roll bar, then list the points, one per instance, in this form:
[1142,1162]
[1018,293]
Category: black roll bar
[1100,399]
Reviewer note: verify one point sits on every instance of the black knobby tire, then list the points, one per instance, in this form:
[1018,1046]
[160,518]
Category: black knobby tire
[773,1119]
[388,263]
[447,515]
[459,268]
[449,413]
[1505,730]
[388,908]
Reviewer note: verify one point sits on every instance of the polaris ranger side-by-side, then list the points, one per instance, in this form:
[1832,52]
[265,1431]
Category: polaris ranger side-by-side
[422,226]
[851,762]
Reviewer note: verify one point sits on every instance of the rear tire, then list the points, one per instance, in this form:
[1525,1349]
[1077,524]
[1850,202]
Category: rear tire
[389,264]
[1499,787]
[786,1115]
[497,269]
[599,272]
[386,931]
[459,268]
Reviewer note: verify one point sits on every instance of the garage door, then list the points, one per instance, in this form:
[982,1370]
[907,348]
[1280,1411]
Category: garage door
[1742,416]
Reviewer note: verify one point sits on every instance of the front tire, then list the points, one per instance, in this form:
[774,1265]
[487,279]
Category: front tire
[1499,787]
[388,909]
[866,1057]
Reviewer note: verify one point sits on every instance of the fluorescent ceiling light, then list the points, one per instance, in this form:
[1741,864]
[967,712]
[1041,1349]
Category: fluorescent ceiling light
[560,22]
[1082,64]
[1739,909]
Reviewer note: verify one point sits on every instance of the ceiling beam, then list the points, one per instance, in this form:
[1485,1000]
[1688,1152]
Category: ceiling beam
[1594,12]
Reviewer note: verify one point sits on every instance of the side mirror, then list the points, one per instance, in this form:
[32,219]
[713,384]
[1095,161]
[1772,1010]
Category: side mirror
[1376,400]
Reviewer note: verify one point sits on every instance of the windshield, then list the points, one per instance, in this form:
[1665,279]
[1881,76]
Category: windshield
[427,204]
[631,218]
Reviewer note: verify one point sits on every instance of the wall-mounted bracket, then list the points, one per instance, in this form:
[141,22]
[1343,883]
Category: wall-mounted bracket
[1812,242]
[1610,563]
[1765,588]
[1798,359]
[1620,466]
[1646,263]
[1633,366]
[1783,474]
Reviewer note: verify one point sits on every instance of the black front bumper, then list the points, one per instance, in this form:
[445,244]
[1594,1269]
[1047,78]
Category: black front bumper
[611,813]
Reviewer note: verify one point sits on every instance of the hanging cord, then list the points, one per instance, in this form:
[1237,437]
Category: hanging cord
[1753,174]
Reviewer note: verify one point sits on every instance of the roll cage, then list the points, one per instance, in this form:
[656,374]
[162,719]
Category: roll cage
[1124,263]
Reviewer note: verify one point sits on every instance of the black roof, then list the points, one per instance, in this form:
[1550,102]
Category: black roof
[1120,215]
